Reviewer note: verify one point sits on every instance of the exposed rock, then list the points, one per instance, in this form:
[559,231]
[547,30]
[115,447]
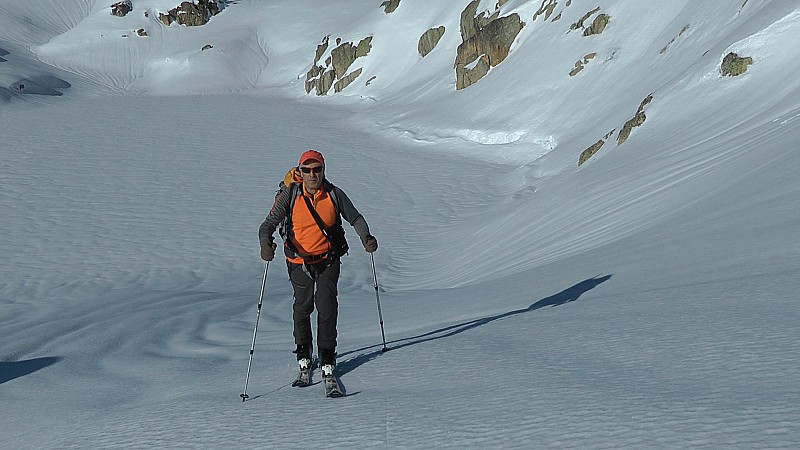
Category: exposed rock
[468,23]
[486,43]
[346,80]
[141,32]
[314,72]
[324,83]
[598,25]
[320,78]
[547,8]
[474,72]
[364,46]
[579,23]
[594,148]
[370,80]
[192,14]
[121,9]
[207,47]
[636,121]
[589,152]
[429,39]
[471,22]
[342,57]
[733,65]
[390,5]
[321,48]
[683,30]
[580,64]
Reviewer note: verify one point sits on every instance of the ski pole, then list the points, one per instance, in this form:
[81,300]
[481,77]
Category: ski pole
[255,330]
[378,298]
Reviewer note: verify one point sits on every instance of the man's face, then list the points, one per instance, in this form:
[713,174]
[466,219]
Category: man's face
[313,173]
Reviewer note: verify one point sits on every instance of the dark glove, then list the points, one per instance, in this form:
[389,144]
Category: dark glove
[370,243]
[268,251]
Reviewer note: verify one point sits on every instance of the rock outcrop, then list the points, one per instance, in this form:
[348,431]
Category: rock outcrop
[486,42]
[547,8]
[429,40]
[733,65]
[192,14]
[636,121]
[333,74]
[389,6]
[597,26]
[669,44]
[581,63]
[121,9]
[594,148]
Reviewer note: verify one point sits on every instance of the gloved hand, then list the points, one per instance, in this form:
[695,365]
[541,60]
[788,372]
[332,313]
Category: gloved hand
[268,251]
[370,243]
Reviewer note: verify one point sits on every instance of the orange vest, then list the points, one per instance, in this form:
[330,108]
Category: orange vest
[308,238]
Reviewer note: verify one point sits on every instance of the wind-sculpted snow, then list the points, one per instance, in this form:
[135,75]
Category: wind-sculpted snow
[36,21]
[169,60]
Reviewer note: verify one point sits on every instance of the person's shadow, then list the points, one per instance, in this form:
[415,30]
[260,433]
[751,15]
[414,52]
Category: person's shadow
[568,295]
[16,369]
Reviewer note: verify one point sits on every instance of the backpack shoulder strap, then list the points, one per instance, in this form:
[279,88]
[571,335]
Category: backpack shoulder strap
[286,227]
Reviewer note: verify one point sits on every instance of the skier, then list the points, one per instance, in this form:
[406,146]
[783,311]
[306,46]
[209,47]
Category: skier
[309,213]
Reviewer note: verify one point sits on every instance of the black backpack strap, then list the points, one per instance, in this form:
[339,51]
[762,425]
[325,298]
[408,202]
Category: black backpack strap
[334,235]
[316,217]
[294,190]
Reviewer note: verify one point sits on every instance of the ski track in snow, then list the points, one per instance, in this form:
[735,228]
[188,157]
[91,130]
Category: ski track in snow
[592,375]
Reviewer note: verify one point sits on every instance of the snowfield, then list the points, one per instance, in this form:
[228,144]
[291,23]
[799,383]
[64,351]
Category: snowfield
[646,299]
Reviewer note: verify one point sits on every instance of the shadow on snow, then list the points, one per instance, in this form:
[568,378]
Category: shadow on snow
[568,295]
[16,369]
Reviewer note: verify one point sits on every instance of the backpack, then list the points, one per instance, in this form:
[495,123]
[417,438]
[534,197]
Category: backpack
[292,177]
[293,182]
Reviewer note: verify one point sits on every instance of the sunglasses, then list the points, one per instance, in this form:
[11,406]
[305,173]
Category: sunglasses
[317,169]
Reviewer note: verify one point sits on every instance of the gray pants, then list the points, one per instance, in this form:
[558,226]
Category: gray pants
[326,279]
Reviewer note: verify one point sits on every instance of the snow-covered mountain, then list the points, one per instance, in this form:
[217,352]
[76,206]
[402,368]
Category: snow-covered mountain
[598,157]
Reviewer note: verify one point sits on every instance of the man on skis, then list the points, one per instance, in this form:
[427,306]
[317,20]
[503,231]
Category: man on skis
[311,213]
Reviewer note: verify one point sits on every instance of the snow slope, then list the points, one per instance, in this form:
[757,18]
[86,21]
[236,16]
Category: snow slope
[645,299]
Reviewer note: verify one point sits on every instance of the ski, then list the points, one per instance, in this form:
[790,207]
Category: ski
[332,387]
[304,375]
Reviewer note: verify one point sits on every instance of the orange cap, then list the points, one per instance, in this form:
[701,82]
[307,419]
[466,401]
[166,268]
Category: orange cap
[310,155]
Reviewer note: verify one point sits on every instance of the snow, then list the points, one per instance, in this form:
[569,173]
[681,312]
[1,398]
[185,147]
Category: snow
[647,298]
